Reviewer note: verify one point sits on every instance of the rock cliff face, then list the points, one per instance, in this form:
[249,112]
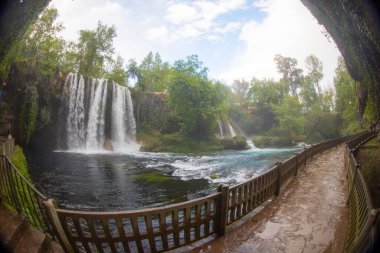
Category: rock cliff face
[15,16]
[355,27]
[150,109]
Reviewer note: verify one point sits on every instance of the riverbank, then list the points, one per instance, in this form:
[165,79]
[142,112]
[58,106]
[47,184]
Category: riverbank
[154,141]
[309,216]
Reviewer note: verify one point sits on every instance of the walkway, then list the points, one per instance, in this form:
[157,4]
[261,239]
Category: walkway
[309,216]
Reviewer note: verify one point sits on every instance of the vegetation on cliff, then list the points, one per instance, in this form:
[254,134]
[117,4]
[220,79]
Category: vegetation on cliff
[19,161]
[296,107]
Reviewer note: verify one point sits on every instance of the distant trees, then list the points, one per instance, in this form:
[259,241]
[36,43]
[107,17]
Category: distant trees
[241,89]
[40,46]
[295,108]
[291,74]
[152,74]
[94,50]
[194,99]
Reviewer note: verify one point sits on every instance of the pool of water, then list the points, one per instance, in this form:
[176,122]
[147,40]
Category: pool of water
[126,181]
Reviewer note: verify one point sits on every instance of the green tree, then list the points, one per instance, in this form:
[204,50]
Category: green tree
[191,66]
[290,119]
[311,89]
[154,74]
[194,100]
[346,102]
[28,112]
[133,71]
[241,89]
[40,47]
[291,74]
[118,74]
[264,94]
[94,50]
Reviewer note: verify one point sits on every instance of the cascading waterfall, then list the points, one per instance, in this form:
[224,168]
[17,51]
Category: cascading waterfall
[99,115]
[96,118]
[232,132]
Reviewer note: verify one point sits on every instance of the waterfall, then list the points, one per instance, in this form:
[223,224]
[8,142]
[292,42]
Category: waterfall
[232,132]
[99,115]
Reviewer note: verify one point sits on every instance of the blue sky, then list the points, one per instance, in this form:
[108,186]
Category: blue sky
[234,38]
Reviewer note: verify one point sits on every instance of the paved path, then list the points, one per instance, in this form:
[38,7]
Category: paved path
[309,216]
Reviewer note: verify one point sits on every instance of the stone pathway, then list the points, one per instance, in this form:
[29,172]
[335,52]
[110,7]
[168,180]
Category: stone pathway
[309,215]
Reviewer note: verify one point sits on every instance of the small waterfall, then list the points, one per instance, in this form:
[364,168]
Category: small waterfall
[75,122]
[100,115]
[232,132]
[220,128]
[251,144]
[96,119]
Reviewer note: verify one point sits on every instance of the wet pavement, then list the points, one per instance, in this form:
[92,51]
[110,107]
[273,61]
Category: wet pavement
[309,215]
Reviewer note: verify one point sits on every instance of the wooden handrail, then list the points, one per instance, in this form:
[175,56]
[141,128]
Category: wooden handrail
[363,216]
[172,226]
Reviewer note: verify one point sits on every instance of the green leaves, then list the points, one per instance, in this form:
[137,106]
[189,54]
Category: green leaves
[94,50]
[28,112]
[152,74]
[194,100]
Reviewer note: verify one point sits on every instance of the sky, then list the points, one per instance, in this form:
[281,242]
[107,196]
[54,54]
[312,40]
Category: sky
[235,39]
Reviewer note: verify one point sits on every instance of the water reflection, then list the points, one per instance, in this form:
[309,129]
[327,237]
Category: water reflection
[115,181]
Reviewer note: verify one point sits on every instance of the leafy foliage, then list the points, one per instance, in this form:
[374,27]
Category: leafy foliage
[152,74]
[195,103]
[28,112]
[292,75]
[94,50]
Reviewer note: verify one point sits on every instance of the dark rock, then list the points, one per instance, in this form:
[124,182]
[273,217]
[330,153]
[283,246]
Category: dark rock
[235,143]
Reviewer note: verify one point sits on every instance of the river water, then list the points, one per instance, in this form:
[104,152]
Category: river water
[125,181]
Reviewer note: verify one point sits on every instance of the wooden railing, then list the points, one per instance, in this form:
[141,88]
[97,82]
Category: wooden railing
[7,146]
[169,227]
[146,230]
[22,195]
[362,232]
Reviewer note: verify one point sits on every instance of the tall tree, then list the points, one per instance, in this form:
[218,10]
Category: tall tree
[291,74]
[154,74]
[192,66]
[289,116]
[240,89]
[311,90]
[41,46]
[346,103]
[95,50]
[118,74]
[194,100]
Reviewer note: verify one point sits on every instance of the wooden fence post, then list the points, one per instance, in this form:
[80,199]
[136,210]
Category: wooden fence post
[305,151]
[56,224]
[222,222]
[278,182]
[296,172]
[350,191]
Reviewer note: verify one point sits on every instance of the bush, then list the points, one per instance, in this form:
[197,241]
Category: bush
[177,143]
[271,141]
[235,143]
[19,161]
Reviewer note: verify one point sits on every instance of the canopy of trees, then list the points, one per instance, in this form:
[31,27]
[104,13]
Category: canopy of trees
[295,107]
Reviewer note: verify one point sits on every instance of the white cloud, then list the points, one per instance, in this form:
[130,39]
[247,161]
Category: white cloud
[290,30]
[197,18]
[157,32]
[180,13]
[230,27]
[85,14]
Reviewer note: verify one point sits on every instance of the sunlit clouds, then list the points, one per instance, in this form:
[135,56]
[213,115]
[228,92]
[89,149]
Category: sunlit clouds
[234,38]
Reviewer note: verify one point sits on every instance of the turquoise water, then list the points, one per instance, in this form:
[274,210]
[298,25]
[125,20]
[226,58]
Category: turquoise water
[125,181]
